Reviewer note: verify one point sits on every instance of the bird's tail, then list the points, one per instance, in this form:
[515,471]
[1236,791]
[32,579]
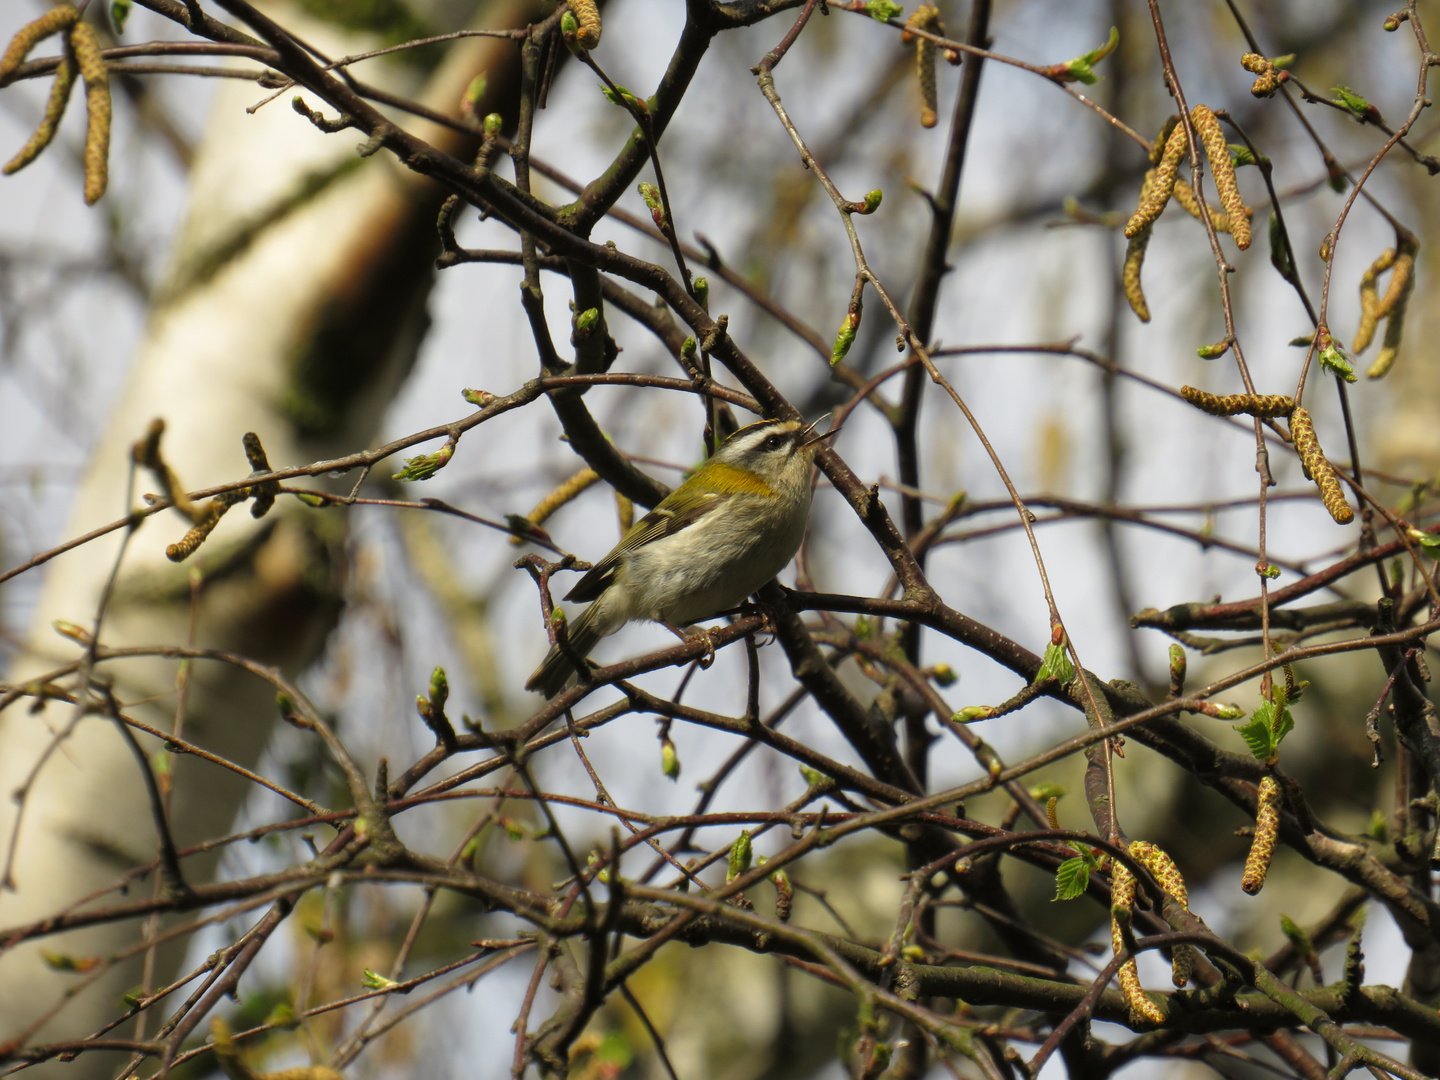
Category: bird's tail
[557,669]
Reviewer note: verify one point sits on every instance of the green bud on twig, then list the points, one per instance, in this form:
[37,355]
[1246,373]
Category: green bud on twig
[700,287]
[845,338]
[740,853]
[669,759]
[585,323]
[883,10]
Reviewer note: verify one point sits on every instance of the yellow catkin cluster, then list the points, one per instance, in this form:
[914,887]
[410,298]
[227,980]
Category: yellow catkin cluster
[563,494]
[1130,275]
[1391,307]
[1268,405]
[1370,300]
[31,34]
[54,110]
[97,110]
[187,545]
[82,54]
[1185,196]
[1317,468]
[1267,76]
[1207,127]
[926,17]
[1135,254]
[587,15]
[1267,828]
[1122,896]
[1172,881]
[1159,183]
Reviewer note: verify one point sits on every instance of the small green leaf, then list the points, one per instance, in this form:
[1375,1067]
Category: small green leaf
[373,980]
[883,10]
[624,98]
[1334,360]
[1055,665]
[1082,68]
[700,287]
[872,201]
[1072,878]
[1241,155]
[119,12]
[1271,571]
[1359,108]
[424,466]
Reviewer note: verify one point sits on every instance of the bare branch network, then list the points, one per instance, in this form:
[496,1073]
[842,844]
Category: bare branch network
[920,995]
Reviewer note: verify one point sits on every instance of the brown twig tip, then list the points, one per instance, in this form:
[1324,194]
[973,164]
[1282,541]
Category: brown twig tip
[1263,405]
[563,494]
[1267,829]
[54,110]
[1159,183]
[1318,468]
[31,34]
[587,15]
[97,110]
[1207,127]
[927,18]
[1268,77]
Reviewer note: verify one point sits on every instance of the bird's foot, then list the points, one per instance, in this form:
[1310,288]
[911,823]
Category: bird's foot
[708,657]
[769,616]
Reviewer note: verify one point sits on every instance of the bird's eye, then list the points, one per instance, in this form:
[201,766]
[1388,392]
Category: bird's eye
[774,442]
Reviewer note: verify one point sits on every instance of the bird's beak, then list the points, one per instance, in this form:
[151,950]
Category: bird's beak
[818,438]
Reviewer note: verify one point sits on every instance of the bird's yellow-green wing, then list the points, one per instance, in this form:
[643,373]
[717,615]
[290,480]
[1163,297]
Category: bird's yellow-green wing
[659,523]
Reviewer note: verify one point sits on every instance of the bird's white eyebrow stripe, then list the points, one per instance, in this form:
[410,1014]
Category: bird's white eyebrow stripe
[760,433]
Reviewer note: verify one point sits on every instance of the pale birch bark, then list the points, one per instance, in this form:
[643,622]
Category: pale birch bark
[293,307]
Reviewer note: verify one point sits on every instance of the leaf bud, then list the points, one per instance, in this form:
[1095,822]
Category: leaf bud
[740,855]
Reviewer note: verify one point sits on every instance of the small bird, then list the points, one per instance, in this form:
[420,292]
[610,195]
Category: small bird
[708,545]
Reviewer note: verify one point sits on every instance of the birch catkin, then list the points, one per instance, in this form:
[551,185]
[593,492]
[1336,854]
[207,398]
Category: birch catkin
[1130,274]
[587,14]
[1164,870]
[31,34]
[54,110]
[1122,897]
[1267,828]
[1266,405]
[1317,468]
[552,502]
[1161,183]
[926,17]
[1207,127]
[1370,301]
[97,110]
